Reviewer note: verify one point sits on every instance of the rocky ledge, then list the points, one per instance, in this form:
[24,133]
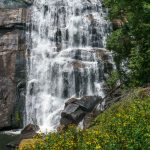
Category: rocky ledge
[76,109]
[12,65]
[15,3]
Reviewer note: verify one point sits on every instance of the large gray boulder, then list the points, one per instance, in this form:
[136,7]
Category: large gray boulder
[76,109]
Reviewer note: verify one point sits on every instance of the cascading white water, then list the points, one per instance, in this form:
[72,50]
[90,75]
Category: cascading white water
[66,37]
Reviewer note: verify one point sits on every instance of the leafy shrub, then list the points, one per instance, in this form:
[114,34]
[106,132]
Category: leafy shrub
[130,42]
[113,79]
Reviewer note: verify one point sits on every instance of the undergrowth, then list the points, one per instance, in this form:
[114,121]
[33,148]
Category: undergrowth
[124,126]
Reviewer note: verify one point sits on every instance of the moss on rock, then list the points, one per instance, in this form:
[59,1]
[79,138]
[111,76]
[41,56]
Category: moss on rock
[29,144]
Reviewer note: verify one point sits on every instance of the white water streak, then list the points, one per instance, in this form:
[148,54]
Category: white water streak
[63,61]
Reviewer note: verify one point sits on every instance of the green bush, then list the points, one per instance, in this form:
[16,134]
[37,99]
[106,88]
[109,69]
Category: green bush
[113,79]
[130,42]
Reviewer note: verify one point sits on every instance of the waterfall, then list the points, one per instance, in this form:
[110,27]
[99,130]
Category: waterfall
[67,37]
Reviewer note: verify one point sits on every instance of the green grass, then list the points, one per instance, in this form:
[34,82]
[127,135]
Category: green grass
[124,126]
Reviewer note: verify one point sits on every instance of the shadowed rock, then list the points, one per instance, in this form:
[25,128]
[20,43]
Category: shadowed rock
[12,66]
[28,2]
[27,133]
[13,18]
[11,4]
[76,109]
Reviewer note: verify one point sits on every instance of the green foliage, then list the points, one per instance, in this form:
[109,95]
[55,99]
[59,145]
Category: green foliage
[125,125]
[113,79]
[131,42]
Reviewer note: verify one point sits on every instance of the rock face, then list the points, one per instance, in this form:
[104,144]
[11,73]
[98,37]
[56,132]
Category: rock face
[28,2]
[12,18]
[12,66]
[15,3]
[76,109]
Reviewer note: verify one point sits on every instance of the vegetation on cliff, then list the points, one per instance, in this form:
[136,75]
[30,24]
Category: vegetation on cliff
[125,125]
[130,40]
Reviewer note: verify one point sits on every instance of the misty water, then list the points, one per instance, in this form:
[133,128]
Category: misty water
[65,40]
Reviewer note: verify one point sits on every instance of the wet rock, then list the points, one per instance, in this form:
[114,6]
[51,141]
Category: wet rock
[108,67]
[13,18]
[11,4]
[12,71]
[28,2]
[9,41]
[76,109]
[78,64]
[12,67]
[27,133]
[103,54]
[105,57]
[87,103]
[73,113]
[30,128]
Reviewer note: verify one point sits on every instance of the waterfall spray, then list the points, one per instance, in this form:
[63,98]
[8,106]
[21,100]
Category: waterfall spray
[67,36]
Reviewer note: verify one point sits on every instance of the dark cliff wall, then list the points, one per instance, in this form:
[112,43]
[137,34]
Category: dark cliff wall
[12,66]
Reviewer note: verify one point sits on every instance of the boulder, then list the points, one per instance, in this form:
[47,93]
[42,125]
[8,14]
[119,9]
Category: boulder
[76,109]
[73,113]
[86,103]
[27,133]
[30,128]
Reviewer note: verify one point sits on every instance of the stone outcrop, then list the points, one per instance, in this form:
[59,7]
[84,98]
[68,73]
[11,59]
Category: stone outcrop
[111,97]
[13,18]
[12,66]
[15,3]
[76,109]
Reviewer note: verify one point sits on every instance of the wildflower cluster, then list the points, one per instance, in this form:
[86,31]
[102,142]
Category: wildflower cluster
[125,125]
